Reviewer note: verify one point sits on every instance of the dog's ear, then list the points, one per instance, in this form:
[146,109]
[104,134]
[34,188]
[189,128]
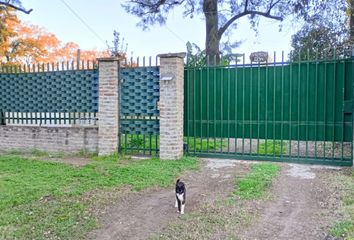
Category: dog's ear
[177,181]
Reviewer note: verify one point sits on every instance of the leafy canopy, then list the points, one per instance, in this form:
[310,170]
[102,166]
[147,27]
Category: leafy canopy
[227,12]
[324,34]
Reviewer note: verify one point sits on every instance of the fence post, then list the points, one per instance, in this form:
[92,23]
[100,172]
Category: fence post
[171,105]
[108,108]
[2,118]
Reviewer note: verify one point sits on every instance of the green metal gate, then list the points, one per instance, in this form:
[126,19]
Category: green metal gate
[139,114]
[293,112]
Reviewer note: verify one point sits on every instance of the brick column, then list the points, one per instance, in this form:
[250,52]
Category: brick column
[108,108]
[171,105]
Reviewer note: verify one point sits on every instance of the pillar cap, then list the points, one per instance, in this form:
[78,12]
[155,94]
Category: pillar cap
[109,59]
[172,55]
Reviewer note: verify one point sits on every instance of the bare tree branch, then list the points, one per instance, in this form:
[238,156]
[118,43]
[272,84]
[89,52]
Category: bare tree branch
[152,6]
[16,7]
[246,5]
[249,12]
[272,5]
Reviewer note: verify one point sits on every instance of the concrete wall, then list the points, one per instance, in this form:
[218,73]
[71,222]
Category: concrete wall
[51,139]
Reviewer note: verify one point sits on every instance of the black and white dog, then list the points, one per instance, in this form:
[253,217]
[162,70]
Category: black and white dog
[180,196]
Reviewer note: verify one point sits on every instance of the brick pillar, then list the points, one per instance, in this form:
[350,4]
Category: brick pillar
[171,105]
[108,108]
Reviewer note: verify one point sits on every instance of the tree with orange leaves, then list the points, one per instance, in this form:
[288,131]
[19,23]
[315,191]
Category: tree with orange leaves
[27,44]
[8,20]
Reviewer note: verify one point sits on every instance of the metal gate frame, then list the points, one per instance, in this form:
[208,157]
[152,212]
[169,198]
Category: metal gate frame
[220,124]
[138,110]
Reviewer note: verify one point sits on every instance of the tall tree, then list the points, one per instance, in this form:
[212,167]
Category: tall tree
[315,42]
[324,33]
[220,15]
[8,21]
[350,14]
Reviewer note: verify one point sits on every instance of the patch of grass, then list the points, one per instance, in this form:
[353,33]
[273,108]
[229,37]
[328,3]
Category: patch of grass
[345,228]
[139,142]
[203,144]
[133,143]
[33,152]
[12,152]
[271,147]
[39,153]
[257,181]
[224,218]
[86,154]
[36,153]
[41,200]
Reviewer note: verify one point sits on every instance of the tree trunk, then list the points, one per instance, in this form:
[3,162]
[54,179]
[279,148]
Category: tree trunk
[350,11]
[210,10]
[351,26]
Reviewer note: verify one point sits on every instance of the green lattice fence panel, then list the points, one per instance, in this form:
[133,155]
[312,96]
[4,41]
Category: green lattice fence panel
[139,99]
[61,91]
[139,114]
[46,96]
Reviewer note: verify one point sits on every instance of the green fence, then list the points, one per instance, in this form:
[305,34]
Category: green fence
[299,112]
[139,114]
[50,97]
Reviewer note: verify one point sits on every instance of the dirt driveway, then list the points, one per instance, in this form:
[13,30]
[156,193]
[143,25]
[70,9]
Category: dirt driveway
[301,204]
[141,214]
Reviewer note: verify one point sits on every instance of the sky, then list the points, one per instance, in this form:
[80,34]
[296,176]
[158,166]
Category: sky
[104,16]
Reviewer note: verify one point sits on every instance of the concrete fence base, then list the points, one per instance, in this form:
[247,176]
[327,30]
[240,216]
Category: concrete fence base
[51,139]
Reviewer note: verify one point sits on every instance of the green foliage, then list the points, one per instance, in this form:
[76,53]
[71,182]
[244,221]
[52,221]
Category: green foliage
[119,47]
[41,200]
[271,147]
[257,181]
[344,229]
[312,43]
[324,33]
[139,142]
[197,57]
[198,144]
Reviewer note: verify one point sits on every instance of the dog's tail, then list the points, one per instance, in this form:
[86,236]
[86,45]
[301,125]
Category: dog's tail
[177,180]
